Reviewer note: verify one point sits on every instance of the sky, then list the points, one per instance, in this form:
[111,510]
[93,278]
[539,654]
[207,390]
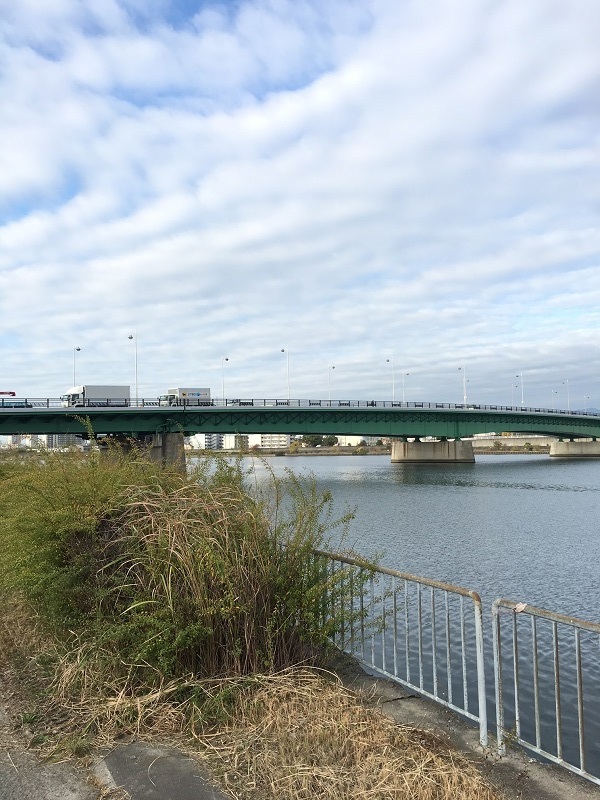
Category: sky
[345,198]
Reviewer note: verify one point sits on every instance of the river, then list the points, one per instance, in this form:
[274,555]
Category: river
[523,527]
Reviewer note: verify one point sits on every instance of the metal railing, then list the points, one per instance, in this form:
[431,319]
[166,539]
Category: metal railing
[413,630]
[428,636]
[547,685]
[39,403]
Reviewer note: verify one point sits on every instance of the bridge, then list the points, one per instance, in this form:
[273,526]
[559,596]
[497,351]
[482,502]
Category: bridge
[420,431]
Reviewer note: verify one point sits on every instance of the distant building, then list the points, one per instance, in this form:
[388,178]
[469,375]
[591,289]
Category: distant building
[214,441]
[61,440]
[275,441]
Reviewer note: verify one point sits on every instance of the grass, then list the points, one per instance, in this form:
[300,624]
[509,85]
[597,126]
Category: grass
[300,735]
[140,602]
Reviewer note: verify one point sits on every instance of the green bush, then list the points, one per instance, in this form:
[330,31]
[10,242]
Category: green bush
[149,576]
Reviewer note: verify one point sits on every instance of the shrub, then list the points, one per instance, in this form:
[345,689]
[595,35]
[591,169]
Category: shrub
[150,576]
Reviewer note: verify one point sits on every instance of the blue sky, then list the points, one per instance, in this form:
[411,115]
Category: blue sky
[350,180]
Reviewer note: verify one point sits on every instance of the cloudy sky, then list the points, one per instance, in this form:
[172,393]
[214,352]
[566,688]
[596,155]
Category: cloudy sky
[394,188]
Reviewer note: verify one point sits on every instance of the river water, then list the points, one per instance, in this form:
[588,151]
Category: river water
[521,527]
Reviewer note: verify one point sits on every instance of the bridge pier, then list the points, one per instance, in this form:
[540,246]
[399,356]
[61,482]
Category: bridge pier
[575,449]
[167,448]
[444,451]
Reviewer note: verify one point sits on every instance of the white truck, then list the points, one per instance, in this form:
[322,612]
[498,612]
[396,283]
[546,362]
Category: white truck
[88,395]
[185,397]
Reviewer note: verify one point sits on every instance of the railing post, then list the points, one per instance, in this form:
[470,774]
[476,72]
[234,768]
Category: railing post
[498,679]
[478,611]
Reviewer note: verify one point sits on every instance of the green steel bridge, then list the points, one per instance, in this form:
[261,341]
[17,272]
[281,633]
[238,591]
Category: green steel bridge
[339,417]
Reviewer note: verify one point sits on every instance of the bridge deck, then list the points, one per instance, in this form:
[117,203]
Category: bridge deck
[338,417]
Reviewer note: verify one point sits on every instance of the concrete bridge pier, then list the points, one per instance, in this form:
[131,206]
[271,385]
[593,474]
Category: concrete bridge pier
[572,448]
[444,451]
[167,448]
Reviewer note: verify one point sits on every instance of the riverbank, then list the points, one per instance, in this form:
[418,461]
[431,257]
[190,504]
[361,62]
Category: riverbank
[151,768]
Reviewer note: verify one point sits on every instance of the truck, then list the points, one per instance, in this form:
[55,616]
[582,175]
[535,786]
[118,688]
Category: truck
[185,396]
[90,395]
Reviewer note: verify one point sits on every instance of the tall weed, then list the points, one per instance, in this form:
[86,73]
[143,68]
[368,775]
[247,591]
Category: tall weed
[149,576]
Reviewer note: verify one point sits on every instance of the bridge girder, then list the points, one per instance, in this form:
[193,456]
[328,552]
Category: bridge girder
[448,423]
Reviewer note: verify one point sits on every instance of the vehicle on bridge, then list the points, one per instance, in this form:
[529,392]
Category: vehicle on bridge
[185,397]
[90,395]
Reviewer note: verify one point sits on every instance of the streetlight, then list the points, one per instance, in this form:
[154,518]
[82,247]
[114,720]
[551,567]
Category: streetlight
[554,391]
[513,386]
[566,381]
[287,355]
[464,372]
[134,337]
[404,374]
[586,397]
[329,381]
[75,350]
[391,361]
[520,375]
[223,360]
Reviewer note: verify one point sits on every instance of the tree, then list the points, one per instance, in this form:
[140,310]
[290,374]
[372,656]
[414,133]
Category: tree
[330,441]
[312,439]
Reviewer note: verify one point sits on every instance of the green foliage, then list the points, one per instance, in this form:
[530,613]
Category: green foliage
[50,512]
[318,440]
[148,576]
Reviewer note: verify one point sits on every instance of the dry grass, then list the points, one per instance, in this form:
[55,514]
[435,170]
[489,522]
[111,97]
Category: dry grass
[295,735]
[302,736]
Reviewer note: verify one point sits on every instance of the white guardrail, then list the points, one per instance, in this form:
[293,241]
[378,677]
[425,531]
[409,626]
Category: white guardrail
[425,634]
[428,636]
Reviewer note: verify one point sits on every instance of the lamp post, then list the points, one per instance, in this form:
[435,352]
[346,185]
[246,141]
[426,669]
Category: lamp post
[134,337]
[404,374]
[520,375]
[566,381]
[223,360]
[391,361]
[464,376]
[75,350]
[513,386]
[329,381]
[287,356]
[554,391]
[586,397]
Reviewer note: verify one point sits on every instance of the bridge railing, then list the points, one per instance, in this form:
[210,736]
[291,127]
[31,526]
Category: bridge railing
[15,403]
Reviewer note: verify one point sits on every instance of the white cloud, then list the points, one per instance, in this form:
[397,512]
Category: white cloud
[346,180]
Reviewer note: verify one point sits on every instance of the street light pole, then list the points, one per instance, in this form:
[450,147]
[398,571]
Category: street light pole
[566,381]
[287,355]
[223,360]
[75,350]
[134,337]
[586,397]
[404,374]
[520,375]
[391,361]
[464,372]
[329,381]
